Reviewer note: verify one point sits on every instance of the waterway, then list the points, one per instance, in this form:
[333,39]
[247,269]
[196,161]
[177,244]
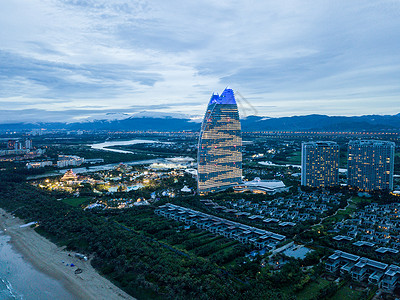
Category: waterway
[97,168]
[106,145]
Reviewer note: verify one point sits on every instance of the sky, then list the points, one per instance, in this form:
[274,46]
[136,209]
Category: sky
[70,60]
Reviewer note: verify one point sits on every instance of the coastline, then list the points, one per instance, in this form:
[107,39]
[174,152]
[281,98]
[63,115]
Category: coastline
[52,260]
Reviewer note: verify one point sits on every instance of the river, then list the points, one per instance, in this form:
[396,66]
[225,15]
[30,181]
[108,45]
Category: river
[92,169]
[106,145]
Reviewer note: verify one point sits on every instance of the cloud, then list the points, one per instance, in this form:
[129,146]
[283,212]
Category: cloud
[288,57]
[85,112]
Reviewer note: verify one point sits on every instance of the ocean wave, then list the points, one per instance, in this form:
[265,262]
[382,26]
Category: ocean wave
[7,291]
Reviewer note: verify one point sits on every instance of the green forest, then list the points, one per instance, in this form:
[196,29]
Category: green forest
[148,256]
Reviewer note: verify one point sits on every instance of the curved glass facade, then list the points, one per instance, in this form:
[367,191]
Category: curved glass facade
[220,145]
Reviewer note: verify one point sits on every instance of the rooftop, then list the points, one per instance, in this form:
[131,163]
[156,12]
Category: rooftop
[227,97]
[344,255]
[372,263]
[269,184]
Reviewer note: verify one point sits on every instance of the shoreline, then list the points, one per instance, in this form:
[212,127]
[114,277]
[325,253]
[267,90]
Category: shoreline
[55,262]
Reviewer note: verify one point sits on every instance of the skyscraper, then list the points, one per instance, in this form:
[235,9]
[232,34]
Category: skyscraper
[18,145]
[28,144]
[220,145]
[370,165]
[319,164]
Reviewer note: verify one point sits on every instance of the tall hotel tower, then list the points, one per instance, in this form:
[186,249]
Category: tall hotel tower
[220,145]
[319,164]
[370,165]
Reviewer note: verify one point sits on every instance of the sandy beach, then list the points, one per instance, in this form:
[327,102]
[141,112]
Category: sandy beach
[52,260]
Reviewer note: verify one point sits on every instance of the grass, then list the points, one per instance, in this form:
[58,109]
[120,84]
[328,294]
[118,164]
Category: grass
[341,214]
[347,293]
[357,200]
[216,240]
[75,202]
[225,248]
[199,234]
[312,289]
[295,158]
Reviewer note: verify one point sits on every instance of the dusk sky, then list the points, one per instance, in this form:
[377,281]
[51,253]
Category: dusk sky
[67,60]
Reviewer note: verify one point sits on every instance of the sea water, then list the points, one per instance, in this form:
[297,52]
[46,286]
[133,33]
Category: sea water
[20,280]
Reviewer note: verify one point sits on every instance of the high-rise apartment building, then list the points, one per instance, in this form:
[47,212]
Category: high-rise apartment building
[18,145]
[220,145]
[370,165]
[28,144]
[320,164]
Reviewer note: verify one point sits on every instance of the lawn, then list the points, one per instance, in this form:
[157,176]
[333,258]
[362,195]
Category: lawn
[357,200]
[349,210]
[347,293]
[225,247]
[312,289]
[295,158]
[341,214]
[76,202]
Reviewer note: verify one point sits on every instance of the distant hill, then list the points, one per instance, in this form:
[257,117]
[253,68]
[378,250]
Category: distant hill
[322,122]
[171,122]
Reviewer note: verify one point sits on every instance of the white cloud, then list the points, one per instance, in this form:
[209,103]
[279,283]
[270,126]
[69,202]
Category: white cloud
[287,57]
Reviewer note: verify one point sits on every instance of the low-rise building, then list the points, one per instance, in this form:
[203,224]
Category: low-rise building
[340,259]
[243,233]
[390,278]
[262,186]
[39,164]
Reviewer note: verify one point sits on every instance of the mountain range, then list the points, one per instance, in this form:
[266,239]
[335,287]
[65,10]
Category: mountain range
[177,122]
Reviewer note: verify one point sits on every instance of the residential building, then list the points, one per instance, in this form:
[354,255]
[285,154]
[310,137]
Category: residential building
[69,160]
[18,145]
[39,164]
[364,269]
[368,268]
[28,144]
[370,165]
[243,233]
[320,164]
[220,145]
[391,278]
[341,259]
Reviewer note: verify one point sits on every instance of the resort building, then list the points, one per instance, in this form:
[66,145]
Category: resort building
[69,176]
[259,186]
[319,164]
[28,144]
[220,145]
[391,278]
[39,164]
[69,160]
[364,269]
[245,234]
[370,165]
